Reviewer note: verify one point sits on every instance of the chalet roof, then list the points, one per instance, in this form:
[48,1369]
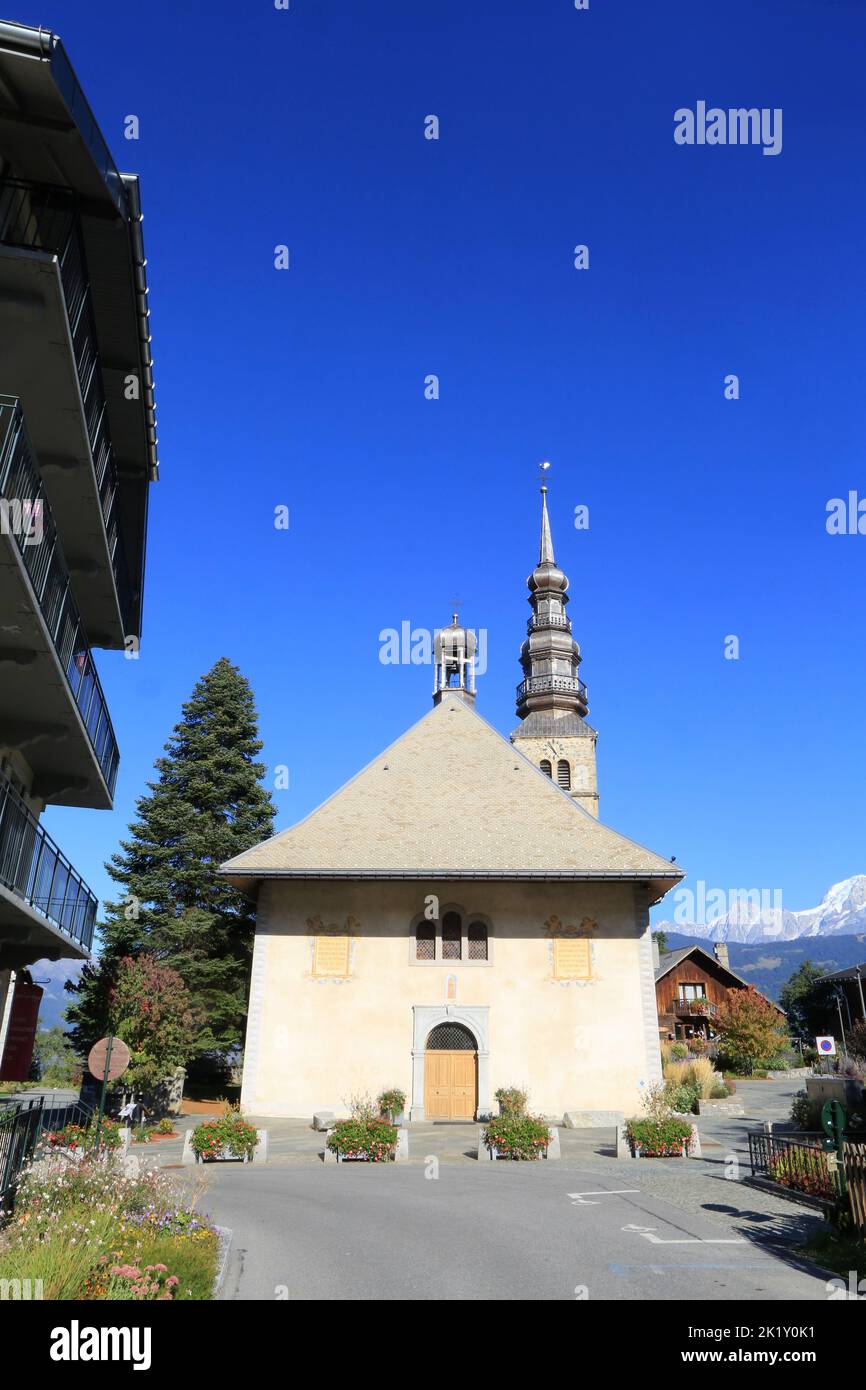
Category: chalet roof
[452,798]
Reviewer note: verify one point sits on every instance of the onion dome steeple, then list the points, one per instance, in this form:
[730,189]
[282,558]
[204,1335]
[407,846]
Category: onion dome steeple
[549,656]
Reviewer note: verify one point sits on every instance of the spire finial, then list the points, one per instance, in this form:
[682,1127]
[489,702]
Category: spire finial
[546,553]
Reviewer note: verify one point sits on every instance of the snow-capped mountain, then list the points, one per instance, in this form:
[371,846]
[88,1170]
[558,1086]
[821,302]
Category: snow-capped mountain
[842,912]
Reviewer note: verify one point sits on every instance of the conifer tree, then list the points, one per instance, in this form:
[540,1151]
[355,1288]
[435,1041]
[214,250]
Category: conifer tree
[207,805]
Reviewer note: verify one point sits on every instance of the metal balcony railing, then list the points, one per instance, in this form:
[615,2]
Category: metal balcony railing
[552,620]
[21,486]
[32,866]
[38,217]
[545,685]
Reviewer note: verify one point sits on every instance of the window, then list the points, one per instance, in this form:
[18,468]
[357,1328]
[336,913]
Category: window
[451,1037]
[692,992]
[546,768]
[477,941]
[563,774]
[451,936]
[425,941]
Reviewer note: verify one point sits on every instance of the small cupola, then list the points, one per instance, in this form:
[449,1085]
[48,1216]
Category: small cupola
[454,651]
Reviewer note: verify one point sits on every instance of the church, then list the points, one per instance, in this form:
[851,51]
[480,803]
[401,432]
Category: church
[456,918]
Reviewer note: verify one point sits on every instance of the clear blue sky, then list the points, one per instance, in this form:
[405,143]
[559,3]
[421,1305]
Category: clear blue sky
[454,257]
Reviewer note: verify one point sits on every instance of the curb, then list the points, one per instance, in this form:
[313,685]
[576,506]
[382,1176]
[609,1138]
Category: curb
[225,1245]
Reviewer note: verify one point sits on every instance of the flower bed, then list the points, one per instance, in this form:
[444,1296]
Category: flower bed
[228,1137]
[515,1136]
[364,1139]
[803,1170]
[663,1138]
[88,1231]
[78,1137]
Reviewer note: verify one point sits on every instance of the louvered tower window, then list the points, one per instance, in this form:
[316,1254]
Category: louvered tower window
[563,774]
[546,768]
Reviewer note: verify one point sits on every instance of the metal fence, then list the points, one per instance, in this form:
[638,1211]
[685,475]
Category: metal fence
[20,1127]
[799,1162]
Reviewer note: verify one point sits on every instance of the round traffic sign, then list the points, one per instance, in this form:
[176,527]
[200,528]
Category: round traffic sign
[116,1066]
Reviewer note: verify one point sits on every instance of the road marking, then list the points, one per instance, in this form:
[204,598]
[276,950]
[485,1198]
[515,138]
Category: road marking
[648,1233]
[577,1197]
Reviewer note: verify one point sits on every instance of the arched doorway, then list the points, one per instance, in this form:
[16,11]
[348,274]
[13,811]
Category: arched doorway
[450,1073]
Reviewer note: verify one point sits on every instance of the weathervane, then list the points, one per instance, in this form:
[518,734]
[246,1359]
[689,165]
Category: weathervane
[542,472]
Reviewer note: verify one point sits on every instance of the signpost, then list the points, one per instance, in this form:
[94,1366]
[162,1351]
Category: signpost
[107,1060]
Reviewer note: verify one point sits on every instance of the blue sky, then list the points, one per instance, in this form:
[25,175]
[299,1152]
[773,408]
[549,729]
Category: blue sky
[306,388]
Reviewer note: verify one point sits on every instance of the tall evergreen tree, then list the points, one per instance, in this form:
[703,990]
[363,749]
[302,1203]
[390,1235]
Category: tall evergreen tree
[207,806]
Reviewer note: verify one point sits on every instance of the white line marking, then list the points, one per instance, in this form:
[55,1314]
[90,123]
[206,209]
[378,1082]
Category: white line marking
[648,1233]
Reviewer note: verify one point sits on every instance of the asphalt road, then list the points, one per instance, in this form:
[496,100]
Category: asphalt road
[499,1231]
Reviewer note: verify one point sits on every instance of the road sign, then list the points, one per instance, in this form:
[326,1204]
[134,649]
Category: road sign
[826,1046]
[117,1063]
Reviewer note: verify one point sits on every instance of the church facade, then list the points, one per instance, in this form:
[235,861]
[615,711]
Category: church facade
[456,918]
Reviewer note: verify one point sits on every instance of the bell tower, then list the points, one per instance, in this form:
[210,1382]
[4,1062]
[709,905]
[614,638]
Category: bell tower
[551,699]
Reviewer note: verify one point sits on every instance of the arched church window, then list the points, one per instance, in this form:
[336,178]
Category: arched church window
[425,941]
[451,1037]
[546,768]
[451,936]
[477,941]
[563,774]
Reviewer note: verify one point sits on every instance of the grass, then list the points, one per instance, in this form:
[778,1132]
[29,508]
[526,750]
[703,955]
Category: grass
[73,1225]
[840,1251]
[699,1071]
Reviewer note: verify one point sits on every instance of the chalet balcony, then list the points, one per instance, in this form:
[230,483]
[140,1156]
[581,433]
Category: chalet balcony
[695,1008]
[51,702]
[553,685]
[44,903]
[49,358]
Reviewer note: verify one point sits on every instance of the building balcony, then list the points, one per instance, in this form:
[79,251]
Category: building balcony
[50,360]
[694,1008]
[51,702]
[46,908]
[564,686]
[552,620]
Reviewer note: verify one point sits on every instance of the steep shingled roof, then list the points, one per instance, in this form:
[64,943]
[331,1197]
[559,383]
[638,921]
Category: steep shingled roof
[452,798]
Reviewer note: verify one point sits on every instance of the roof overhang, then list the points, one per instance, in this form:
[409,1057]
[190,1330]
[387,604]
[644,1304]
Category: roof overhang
[48,134]
[248,881]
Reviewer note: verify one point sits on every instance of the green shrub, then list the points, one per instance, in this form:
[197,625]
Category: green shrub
[517,1136]
[678,1051]
[362,1137]
[684,1098]
[720,1092]
[391,1102]
[805,1112]
[659,1138]
[165,1125]
[511,1100]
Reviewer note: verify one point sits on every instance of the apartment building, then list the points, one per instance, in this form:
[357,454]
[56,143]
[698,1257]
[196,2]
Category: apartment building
[78,452]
